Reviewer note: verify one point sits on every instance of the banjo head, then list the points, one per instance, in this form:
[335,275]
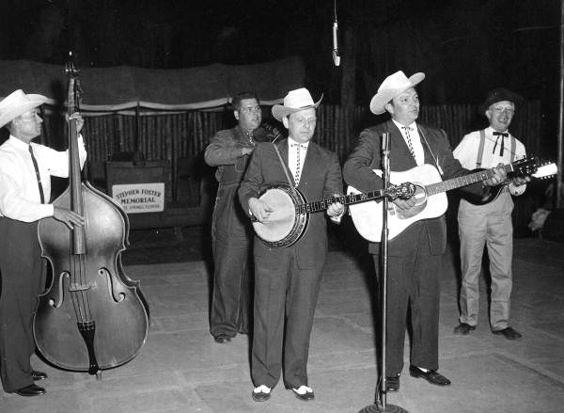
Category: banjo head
[285,226]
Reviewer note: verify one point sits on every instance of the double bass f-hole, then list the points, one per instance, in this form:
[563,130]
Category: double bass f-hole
[92,317]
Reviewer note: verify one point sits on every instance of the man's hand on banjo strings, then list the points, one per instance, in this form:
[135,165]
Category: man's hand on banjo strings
[260,210]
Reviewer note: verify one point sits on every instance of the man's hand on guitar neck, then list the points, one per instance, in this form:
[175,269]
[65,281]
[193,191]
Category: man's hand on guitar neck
[499,176]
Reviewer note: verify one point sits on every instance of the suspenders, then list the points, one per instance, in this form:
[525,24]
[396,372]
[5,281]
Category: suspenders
[481,148]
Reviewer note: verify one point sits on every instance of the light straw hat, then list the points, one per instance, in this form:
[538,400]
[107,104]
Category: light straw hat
[17,103]
[295,100]
[391,87]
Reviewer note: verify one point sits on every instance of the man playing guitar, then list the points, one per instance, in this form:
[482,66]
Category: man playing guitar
[415,255]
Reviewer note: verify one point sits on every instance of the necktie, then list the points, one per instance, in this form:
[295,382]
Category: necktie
[298,171]
[41,195]
[408,139]
[249,135]
[500,135]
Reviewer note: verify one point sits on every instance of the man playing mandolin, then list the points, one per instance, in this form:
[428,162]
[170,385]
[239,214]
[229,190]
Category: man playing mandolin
[414,256]
[489,223]
[25,191]
[287,279]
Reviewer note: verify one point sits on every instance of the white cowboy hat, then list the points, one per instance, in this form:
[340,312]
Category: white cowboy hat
[17,103]
[295,100]
[391,87]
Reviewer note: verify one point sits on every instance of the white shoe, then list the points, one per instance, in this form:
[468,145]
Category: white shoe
[261,393]
[304,393]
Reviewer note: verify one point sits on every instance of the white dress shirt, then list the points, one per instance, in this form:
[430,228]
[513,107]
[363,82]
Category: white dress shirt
[293,157]
[19,192]
[415,141]
[467,153]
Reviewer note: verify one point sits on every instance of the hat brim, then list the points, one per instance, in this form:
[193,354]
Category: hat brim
[13,112]
[280,111]
[380,100]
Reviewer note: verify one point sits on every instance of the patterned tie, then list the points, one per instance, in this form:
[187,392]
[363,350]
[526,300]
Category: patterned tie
[298,171]
[500,135]
[41,195]
[250,136]
[408,138]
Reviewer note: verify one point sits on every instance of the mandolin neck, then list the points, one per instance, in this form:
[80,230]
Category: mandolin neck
[461,181]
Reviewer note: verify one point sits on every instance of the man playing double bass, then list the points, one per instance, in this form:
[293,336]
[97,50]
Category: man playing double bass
[25,190]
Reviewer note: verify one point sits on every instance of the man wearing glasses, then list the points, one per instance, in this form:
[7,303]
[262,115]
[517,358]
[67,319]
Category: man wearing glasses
[490,223]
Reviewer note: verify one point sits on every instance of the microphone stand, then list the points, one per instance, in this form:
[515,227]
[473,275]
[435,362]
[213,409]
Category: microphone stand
[380,405]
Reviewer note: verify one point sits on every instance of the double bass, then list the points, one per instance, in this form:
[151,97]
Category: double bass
[92,316]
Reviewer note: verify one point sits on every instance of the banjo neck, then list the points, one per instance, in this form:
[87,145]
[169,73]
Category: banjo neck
[315,206]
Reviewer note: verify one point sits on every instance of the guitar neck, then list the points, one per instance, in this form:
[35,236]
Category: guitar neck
[461,181]
[323,204]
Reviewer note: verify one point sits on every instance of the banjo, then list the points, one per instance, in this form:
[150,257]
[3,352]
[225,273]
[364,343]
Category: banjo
[289,218]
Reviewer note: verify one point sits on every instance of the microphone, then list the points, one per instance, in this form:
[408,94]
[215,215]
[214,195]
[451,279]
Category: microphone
[385,142]
[386,159]
[336,57]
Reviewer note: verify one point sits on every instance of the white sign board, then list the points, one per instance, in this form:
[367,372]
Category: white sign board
[140,198]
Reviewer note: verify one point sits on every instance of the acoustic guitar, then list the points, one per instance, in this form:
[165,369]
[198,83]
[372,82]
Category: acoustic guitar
[430,196]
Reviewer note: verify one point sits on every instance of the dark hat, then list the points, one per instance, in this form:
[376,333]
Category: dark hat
[499,94]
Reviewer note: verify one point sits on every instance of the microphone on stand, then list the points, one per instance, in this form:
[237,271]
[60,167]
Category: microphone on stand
[381,405]
[386,159]
[336,57]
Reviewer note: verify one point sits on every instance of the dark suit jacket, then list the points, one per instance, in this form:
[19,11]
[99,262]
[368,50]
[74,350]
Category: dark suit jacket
[366,156]
[321,178]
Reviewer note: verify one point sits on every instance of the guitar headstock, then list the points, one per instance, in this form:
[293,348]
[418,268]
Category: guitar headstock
[524,167]
[404,190]
[545,171]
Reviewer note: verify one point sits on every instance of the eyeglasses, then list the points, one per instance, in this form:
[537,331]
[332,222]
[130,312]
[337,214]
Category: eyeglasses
[500,110]
[250,110]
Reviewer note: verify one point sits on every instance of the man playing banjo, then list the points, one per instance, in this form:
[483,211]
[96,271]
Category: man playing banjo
[287,278]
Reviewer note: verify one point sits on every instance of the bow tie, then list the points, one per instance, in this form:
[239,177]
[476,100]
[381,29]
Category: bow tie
[501,135]
[298,145]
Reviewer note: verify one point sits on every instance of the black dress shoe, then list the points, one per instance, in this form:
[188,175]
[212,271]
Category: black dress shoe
[392,383]
[221,339]
[305,395]
[31,390]
[463,329]
[38,375]
[431,376]
[508,333]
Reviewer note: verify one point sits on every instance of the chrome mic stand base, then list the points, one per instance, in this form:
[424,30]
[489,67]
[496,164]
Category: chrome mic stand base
[378,408]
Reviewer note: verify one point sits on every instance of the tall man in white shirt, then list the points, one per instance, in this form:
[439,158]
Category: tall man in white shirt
[489,224]
[25,190]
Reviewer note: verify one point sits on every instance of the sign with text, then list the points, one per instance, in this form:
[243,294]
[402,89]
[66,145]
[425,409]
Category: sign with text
[140,198]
